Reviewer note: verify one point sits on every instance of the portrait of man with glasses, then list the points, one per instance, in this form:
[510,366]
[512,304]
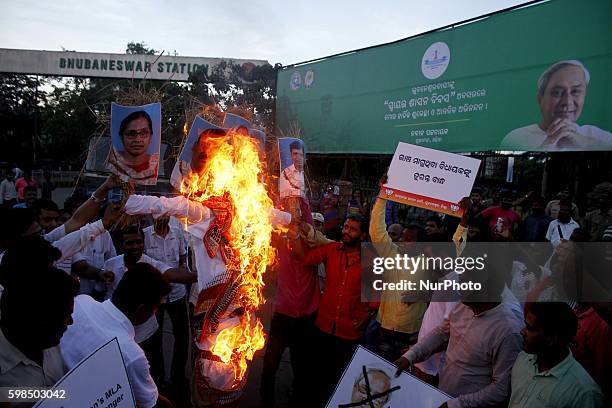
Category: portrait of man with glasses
[136,140]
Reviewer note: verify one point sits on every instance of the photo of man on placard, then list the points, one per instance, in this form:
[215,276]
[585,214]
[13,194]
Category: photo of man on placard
[136,139]
[562,91]
[291,181]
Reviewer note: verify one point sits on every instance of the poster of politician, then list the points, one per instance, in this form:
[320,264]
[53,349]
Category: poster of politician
[292,155]
[561,95]
[369,380]
[136,140]
[193,155]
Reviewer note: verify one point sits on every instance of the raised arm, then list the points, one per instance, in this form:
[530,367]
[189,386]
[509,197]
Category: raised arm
[90,208]
[378,228]
[159,206]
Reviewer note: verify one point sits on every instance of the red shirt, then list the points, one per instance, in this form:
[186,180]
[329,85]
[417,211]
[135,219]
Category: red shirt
[593,348]
[21,184]
[509,217]
[341,312]
[297,285]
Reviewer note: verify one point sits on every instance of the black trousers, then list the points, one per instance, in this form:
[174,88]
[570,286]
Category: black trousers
[392,344]
[297,333]
[153,348]
[333,356]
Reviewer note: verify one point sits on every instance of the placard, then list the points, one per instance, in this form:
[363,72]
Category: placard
[429,178]
[382,389]
[98,381]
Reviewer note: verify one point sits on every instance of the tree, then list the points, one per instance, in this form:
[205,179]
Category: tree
[20,97]
[139,48]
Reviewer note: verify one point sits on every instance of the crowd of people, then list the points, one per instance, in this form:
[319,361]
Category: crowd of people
[80,276]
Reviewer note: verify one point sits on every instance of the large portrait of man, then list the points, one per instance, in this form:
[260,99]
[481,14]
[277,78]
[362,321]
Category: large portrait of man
[561,96]
[291,180]
[193,155]
[136,140]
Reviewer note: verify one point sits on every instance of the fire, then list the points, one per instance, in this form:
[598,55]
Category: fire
[233,169]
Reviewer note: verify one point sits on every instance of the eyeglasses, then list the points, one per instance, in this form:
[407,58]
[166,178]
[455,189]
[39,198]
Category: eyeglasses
[132,134]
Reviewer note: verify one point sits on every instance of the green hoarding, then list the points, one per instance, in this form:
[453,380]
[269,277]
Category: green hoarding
[463,89]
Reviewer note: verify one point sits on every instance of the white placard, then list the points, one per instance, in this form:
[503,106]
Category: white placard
[406,390]
[429,178]
[98,381]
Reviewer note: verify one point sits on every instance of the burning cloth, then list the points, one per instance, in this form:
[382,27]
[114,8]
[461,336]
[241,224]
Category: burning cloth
[229,218]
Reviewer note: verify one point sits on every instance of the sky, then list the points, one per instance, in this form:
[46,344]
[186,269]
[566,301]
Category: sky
[283,32]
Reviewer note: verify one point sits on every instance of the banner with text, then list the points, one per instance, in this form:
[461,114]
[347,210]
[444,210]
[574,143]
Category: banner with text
[514,81]
[430,179]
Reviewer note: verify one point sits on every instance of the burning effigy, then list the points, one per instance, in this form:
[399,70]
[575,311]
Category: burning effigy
[229,218]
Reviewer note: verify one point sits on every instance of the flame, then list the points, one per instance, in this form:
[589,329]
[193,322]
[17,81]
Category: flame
[233,167]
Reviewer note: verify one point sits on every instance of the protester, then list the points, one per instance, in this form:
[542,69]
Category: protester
[399,321]
[481,337]
[592,346]
[292,325]
[502,220]
[395,231]
[8,191]
[30,193]
[536,224]
[318,222]
[47,213]
[477,204]
[29,336]
[93,255]
[134,301]
[545,372]
[413,233]
[22,182]
[357,205]
[47,186]
[167,245]
[434,226]
[596,221]
[329,208]
[552,208]
[560,230]
[342,317]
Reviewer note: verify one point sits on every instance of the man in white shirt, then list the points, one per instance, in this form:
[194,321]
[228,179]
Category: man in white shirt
[561,95]
[560,230]
[134,301]
[8,191]
[133,253]
[94,255]
[292,177]
[167,244]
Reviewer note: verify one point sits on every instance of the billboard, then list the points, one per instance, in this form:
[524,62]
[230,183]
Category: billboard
[469,88]
[104,65]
